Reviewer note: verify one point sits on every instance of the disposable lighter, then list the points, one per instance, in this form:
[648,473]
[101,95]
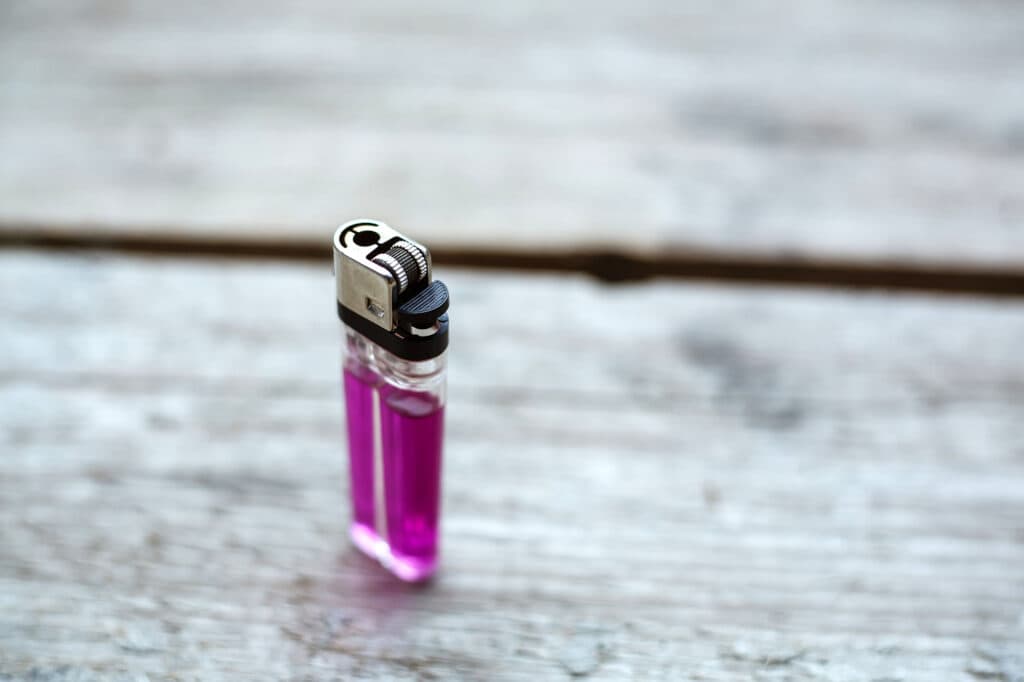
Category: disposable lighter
[395,324]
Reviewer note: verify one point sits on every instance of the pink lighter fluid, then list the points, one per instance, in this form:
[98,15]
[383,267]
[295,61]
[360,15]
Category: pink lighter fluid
[396,333]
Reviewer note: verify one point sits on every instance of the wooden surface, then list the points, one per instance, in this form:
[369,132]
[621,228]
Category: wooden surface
[863,130]
[732,484]
[658,481]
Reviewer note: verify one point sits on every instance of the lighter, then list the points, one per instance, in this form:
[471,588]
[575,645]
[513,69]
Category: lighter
[395,324]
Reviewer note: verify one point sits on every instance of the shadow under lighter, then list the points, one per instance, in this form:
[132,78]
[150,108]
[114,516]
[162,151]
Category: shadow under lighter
[396,332]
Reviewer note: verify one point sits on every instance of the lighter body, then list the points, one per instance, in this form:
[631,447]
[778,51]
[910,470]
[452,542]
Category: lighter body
[394,356]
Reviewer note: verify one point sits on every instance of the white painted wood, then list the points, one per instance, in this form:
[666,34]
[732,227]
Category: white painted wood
[649,482]
[835,129]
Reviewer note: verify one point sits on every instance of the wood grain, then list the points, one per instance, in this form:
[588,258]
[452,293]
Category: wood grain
[825,129]
[644,481]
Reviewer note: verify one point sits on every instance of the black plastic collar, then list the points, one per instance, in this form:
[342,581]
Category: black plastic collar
[405,346]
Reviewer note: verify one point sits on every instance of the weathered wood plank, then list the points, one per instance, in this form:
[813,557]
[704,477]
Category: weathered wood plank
[839,129]
[735,484]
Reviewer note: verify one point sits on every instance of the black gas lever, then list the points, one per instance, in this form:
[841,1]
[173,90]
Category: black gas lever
[423,310]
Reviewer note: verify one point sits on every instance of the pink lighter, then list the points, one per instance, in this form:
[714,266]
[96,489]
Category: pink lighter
[395,322]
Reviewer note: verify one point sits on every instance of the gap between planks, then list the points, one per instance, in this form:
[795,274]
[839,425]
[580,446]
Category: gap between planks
[604,264]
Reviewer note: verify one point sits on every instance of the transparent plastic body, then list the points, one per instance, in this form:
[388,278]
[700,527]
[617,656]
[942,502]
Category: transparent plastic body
[395,413]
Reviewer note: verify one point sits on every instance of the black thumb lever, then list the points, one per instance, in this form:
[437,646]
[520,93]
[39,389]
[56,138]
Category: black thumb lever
[424,309]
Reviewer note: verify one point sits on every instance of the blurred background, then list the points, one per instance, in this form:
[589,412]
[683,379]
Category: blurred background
[796,454]
[864,130]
